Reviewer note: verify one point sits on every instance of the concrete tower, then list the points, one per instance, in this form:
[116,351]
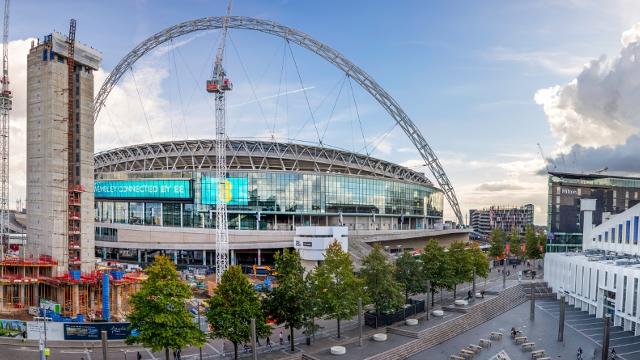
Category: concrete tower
[48,141]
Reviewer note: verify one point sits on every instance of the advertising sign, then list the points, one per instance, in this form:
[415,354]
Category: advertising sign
[143,189]
[236,191]
[91,331]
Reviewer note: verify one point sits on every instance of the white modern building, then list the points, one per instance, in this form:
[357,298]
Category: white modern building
[603,278]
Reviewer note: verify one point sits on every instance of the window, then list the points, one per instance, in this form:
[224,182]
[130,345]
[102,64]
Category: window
[635,229]
[606,236]
[599,237]
[606,278]
[615,280]
[628,231]
[619,233]
[597,283]
[613,235]
[635,296]
[136,213]
[624,293]
[153,214]
[589,286]
[171,214]
[121,213]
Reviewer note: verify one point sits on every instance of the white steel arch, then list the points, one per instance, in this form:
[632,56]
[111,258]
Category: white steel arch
[301,39]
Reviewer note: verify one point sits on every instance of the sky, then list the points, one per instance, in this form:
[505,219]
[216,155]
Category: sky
[485,82]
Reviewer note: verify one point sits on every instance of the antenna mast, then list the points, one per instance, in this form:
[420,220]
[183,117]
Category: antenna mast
[218,85]
[5,107]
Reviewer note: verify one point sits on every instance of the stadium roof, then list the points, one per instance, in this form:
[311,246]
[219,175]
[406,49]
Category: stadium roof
[249,155]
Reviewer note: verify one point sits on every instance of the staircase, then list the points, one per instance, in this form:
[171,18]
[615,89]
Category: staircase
[440,333]
[541,289]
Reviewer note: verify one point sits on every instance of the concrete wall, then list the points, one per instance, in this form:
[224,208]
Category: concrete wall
[169,238]
[47,159]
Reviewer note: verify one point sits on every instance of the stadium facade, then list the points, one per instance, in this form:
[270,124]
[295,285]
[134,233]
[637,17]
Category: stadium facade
[159,198]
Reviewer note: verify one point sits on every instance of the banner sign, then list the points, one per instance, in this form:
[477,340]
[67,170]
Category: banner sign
[236,190]
[91,331]
[143,189]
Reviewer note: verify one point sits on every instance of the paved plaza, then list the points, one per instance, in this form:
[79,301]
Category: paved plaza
[581,330]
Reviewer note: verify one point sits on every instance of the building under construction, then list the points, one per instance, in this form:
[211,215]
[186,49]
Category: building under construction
[58,262]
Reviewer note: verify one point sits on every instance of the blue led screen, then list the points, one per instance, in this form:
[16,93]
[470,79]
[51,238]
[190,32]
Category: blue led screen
[236,192]
[143,189]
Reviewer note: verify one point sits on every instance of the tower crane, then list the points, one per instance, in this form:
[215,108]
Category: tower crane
[218,85]
[5,107]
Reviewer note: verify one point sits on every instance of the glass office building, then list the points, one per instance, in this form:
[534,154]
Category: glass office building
[613,194]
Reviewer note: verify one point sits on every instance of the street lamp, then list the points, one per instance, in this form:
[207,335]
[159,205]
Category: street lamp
[199,326]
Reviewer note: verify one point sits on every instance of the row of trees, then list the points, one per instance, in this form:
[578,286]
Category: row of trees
[438,269]
[330,291]
[534,243]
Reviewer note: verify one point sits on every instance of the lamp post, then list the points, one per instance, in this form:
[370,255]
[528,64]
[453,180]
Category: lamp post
[199,327]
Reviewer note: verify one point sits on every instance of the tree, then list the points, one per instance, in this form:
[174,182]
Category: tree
[288,302]
[532,250]
[409,274]
[480,263]
[232,307]
[338,288]
[160,315]
[496,243]
[381,286]
[514,243]
[435,267]
[479,260]
[461,264]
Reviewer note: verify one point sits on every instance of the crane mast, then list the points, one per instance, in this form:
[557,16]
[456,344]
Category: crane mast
[5,107]
[218,85]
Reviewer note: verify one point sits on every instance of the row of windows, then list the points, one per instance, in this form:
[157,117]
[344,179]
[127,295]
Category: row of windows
[623,231]
[185,215]
[291,192]
[580,289]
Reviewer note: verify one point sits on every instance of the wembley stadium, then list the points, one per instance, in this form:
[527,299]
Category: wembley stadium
[159,198]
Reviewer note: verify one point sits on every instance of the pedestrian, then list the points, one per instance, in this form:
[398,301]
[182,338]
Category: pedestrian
[508,273]
[258,340]
[179,352]
[281,339]
[175,355]
[482,294]
[469,295]
[288,338]
[269,343]
[138,356]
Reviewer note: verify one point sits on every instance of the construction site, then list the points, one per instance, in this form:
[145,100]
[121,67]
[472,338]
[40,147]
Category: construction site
[54,273]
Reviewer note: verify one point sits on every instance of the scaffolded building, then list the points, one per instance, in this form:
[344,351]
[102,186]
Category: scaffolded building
[58,261]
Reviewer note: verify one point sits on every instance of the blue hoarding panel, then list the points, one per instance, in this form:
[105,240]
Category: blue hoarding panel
[236,190]
[91,331]
[143,189]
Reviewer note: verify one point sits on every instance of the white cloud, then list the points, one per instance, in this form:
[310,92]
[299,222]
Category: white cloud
[18,50]
[600,108]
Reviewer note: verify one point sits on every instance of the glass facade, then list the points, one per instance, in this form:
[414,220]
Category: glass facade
[275,193]
[613,195]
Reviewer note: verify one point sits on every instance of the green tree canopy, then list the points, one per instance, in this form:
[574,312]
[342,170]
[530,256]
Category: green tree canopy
[381,286]
[514,243]
[159,314]
[409,274]
[288,302]
[232,307]
[337,286]
[496,243]
[435,267]
[479,260]
[461,263]
[532,248]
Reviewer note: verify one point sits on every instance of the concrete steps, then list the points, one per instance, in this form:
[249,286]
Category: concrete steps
[440,333]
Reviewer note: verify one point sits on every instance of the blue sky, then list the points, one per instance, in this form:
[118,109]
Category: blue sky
[465,72]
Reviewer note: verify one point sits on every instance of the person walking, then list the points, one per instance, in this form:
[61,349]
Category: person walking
[281,339]
[258,341]
[269,343]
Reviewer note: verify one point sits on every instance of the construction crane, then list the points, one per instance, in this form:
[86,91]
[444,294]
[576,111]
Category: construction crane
[218,85]
[5,107]
[74,188]
[546,161]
